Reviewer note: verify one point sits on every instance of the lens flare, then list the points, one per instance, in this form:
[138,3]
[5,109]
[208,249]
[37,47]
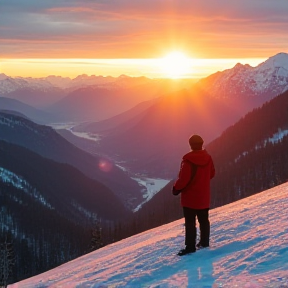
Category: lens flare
[105,165]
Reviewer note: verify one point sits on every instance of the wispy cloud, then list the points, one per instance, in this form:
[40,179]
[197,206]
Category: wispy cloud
[135,29]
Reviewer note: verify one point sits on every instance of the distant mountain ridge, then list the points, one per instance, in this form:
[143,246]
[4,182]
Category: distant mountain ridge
[127,119]
[9,84]
[98,102]
[36,115]
[43,92]
[86,98]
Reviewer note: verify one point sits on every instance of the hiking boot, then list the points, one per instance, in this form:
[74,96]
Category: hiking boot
[199,245]
[186,250]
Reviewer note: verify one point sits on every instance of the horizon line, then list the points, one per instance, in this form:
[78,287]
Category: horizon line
[132,67]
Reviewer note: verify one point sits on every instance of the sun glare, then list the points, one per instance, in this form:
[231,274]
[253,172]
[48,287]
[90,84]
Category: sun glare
[175,65]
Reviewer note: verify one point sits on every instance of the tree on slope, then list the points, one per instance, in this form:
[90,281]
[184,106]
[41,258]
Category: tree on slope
[96,236]
[7,261]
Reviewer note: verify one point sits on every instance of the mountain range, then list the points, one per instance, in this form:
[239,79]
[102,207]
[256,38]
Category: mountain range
[154,141]
[84,98]
[96,98]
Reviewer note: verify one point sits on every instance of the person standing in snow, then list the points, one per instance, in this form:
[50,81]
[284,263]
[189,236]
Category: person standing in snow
[197,169]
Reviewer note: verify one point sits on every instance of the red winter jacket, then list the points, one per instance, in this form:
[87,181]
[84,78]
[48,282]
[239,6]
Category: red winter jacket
[196,193]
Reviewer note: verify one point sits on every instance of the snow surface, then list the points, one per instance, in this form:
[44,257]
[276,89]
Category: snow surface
[249,248]
[279,60]
[152,185]
[276,137]
[20,183]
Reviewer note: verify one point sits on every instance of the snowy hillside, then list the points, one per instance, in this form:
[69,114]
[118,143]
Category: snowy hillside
[249,248]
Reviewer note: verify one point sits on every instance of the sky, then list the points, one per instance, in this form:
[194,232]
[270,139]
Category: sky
[248,249]
[102,35]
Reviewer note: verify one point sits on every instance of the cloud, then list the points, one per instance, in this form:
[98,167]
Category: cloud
[125,28]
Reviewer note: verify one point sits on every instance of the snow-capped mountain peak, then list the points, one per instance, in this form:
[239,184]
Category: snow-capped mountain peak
[280,60]
[272,74]
[275,67]
[266,80]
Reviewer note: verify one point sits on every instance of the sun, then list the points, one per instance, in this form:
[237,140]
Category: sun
[175,65]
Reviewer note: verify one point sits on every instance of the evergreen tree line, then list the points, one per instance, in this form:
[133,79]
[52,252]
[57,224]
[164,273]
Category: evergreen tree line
[258,170]
[7,259]
[41,238]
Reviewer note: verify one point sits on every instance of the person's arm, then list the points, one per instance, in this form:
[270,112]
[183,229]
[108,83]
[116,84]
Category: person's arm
[212,172]
[183,177]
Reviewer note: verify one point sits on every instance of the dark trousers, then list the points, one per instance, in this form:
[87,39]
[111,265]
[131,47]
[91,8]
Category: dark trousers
[190,226]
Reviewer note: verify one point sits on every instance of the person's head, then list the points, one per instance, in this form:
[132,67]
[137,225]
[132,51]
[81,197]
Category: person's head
[196,142]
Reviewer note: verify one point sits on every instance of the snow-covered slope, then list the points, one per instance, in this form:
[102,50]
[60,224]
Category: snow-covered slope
[249,248]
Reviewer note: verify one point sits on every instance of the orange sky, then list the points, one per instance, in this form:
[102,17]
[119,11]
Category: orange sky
[125,29]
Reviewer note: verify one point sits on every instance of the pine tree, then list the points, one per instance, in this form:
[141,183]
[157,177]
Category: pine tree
[7,261]
[96,236]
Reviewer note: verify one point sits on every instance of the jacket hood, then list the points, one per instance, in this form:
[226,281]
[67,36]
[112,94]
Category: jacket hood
[198,157]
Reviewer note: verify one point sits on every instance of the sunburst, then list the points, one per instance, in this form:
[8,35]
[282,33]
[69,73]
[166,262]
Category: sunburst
[175,64]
